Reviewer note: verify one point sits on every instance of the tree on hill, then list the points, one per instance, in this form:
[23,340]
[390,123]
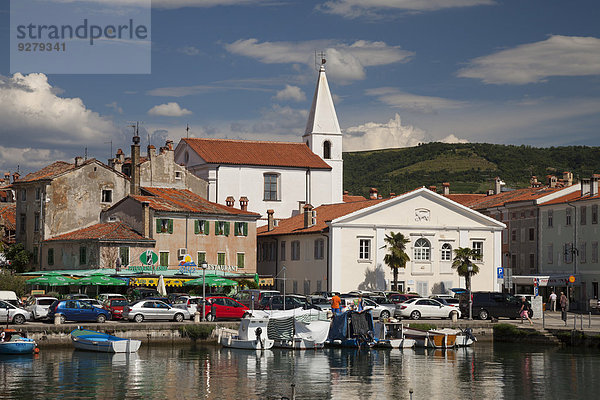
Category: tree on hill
[462,260]
[396,256]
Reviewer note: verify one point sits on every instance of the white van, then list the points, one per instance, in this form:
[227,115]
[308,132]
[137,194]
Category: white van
[10,297]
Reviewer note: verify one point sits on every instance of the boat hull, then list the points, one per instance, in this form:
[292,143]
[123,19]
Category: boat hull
[17,347]
[405,343]
[102,342]
[298,344]
[234,342]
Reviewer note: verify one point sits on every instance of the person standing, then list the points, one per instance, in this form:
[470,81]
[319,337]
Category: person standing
[563,307]
[553,301]
[524,311]
[335,304]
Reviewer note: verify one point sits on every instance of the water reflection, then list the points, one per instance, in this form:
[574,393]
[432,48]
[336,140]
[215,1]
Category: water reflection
[182,372]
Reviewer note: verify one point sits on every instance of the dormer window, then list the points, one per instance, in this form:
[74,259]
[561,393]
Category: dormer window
[327,150]
[178,175]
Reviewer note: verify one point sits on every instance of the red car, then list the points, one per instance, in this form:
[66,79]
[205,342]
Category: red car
[115,307]
[224,308]
[401,298]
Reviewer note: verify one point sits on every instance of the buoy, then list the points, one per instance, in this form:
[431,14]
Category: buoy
[36,350]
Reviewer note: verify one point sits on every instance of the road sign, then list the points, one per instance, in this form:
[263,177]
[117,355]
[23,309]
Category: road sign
[535,291]
[571,279]
[500,273]
[148,257]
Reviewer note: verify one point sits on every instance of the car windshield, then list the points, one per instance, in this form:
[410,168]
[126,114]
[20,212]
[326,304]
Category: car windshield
[118,303]
[181,300]
[410,300]
[45,302]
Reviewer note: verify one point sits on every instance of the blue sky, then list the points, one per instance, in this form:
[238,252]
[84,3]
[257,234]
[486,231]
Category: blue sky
[401,71]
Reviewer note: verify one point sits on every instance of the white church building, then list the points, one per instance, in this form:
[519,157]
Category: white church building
[278,176]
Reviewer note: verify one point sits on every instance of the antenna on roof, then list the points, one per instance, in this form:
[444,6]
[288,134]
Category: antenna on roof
[111,149]
[320,60]
[85,154]
[187,131]
[136,131]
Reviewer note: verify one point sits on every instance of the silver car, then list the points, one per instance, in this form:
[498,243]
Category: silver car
[10,313]
[152,310]
[38,306]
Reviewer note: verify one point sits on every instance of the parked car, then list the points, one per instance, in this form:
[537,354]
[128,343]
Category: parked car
[322,295]
[77,310]
[245,296]
[94,302]
[105,296]
[77,296]
[115,307]
[400,297]
[11,297]
[152,310]
[189,303]
[174,296]
[13,314]
[449,301]
[381,307]
[291,302]
[139,293]
[38,305]
[492,304]
[223,307]
[425,308]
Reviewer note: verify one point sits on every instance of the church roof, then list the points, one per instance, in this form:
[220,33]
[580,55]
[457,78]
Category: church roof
[252,152]
[322,117]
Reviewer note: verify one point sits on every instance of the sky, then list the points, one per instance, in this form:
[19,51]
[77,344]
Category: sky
[402,72]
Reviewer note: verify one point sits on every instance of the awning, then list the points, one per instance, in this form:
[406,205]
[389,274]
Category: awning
[212,280]
[546,280]
[173,282]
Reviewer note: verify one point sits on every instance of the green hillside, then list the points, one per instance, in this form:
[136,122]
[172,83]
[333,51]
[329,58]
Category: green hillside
[470,168]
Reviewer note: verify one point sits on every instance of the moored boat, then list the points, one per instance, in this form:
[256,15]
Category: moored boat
[464,338]
[352,329]
[85,339]
[14,342]
[391,336]
[251,335]
[431,339]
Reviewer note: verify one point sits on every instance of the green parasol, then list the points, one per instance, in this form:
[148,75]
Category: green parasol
[99,279]
[213,280]
[51,279]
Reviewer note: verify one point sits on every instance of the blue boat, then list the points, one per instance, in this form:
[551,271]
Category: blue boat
[351,329]
[85,339]
[14,342]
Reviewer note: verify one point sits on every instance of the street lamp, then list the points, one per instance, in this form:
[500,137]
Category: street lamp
[204,265]
[470,272]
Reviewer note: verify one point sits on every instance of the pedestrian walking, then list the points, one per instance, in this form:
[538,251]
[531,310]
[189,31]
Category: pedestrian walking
[563,307]
[524,311]
[335,304]
[553,301]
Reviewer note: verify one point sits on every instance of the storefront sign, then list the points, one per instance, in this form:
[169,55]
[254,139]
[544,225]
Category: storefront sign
[146,268]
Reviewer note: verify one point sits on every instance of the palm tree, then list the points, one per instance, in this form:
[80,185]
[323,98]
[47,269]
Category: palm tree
[462,260]
[397,257]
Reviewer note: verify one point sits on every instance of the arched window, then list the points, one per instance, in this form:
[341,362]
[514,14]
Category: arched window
[446,252]
[327,149]
[422,250]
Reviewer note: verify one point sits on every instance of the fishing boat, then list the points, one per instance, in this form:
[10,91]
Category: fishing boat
[391,336]
[84,339]
[14,342]
[352,329]
[464,338]
[431,339]
[251,335]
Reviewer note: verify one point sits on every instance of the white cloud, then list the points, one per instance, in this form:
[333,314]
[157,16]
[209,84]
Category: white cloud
[374,135]
[291,93]
[32,113]
[190,50]
[451,138]
[115,107]
[171,109]
[407,101]
[28,158]
[535,62]
[377,8]
[344,61]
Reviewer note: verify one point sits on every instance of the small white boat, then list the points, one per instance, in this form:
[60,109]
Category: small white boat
[431,339]
[251,335]
[463,338]
[85,339]
[391,336]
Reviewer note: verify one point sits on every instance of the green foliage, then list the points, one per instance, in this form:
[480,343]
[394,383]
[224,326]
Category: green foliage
[247,284]
[18,256]
[423,326]
[461,262]
[508,330]
[196,332]
[14,283]
[396,256]
[469,167]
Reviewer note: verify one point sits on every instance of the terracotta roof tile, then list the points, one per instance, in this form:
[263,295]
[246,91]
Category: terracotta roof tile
[8,215]
[328,212]
[247,152]
[526,194]
[177,200]
[571,197]
[48,172]
[466,199]
[348,198]
[102,231]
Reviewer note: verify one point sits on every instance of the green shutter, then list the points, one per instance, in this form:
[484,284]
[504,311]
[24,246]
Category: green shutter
[217,228]
[245,228]
[158,226]
[206,227]
[196,226]
[226,229]
[170,226]
[236,229]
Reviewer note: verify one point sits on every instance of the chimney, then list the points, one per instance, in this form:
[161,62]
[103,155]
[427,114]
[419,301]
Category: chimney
[392,195]
[534,182]
[308,216]
[498,185]
[551,181]
[169,144]
[7,178]
[433,188]
[345,192]
[446,188]
[151,152]
[78,161]
[146,217]
[372,194]
[16,176]
[135,167]
[585,186]
[229,201]
[244,203]
[568,178]
[594,185]
[270,220]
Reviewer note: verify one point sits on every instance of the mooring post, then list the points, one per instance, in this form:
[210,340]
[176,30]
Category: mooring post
[574,321]
[581,322]
[590,320]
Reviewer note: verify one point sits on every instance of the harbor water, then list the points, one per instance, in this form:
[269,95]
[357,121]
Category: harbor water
[486,371]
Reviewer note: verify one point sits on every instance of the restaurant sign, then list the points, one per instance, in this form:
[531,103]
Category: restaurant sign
[146,268]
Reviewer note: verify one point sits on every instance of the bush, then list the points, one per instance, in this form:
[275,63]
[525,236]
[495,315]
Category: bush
[14,283]
[423,326]
[196,332]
